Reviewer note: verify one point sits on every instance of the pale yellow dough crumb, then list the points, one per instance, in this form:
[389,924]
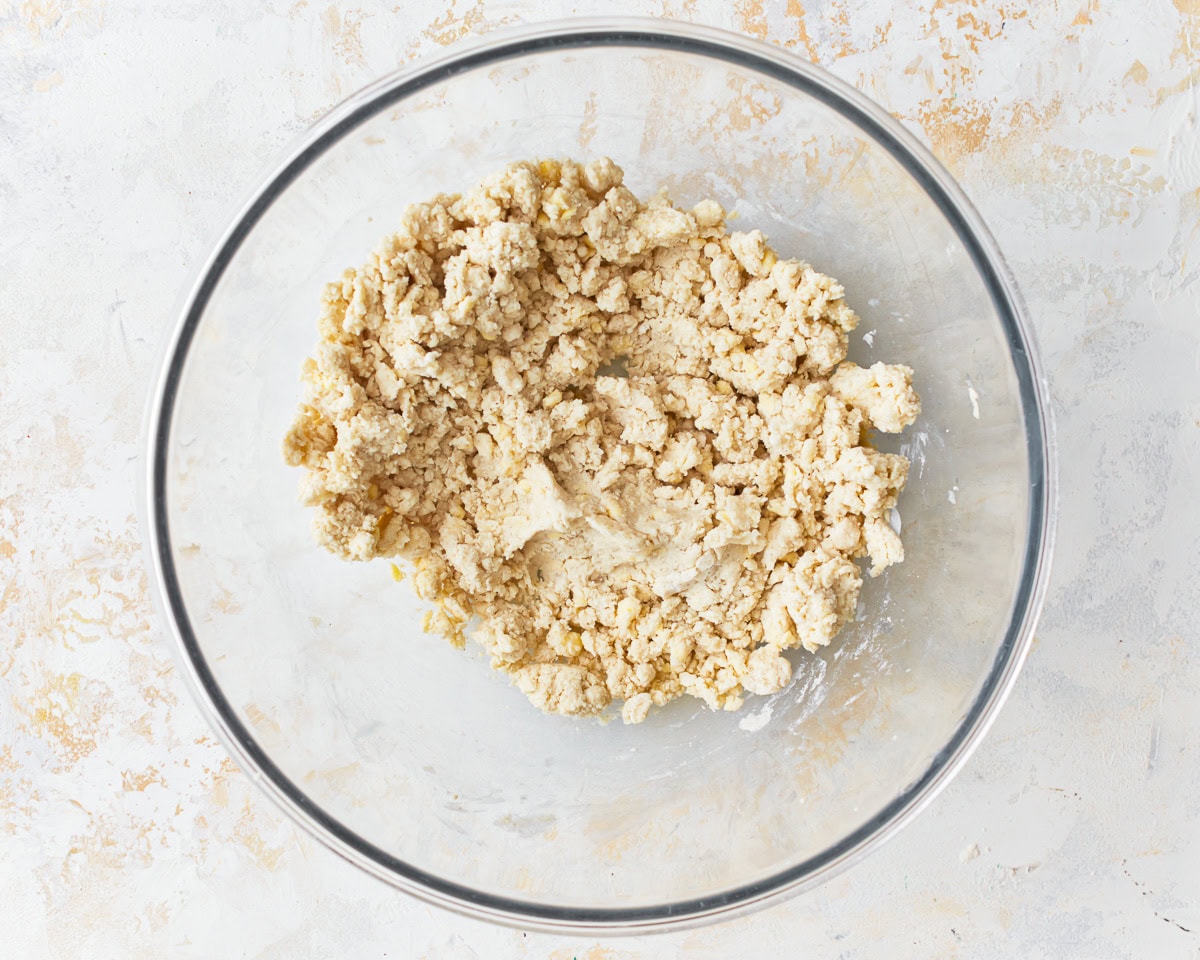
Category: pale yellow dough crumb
[620,435]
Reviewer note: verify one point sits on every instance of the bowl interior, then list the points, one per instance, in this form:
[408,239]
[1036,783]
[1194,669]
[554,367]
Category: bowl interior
[422,751]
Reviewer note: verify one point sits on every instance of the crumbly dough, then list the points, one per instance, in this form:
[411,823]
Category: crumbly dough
[621,436]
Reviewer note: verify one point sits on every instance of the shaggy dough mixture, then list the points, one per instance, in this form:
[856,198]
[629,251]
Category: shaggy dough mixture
[623,437]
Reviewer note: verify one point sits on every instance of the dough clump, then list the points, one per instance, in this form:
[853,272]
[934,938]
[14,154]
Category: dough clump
[622,436]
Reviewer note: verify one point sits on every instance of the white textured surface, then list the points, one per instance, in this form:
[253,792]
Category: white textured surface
[126,131]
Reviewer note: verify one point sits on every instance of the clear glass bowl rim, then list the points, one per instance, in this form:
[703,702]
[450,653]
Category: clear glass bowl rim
[876,124]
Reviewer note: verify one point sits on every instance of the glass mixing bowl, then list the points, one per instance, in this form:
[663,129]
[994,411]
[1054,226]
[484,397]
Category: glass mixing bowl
[417,762]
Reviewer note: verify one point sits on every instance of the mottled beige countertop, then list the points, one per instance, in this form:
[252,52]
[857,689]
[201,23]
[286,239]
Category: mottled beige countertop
[127,129]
